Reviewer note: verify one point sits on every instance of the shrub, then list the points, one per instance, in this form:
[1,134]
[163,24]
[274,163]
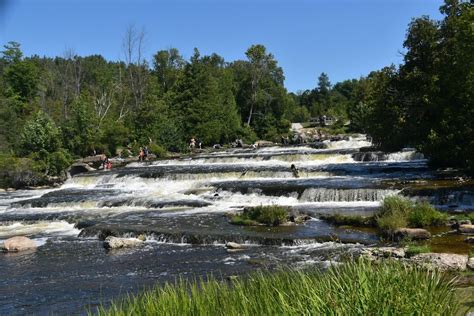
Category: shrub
[356,288]
[423,214]
[393,213]
[397,212]
[272,215]
[19,172]
[157,150]
[57,162]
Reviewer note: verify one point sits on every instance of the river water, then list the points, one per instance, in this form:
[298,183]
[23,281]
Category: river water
[181,205]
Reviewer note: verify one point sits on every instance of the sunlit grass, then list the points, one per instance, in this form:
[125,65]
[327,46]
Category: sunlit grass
[358,288]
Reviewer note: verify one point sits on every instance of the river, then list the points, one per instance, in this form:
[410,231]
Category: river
[181,205]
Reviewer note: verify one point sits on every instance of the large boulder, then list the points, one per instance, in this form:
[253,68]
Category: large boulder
[466,229]
[112,242]
[19,243]
[441,261]
[412,233]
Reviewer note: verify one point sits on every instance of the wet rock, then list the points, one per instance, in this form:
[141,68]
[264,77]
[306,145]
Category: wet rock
[469,240]
[456,223]
[381,253]
[389,252]
[298,218]
[466,229]
[18,243]
[141,237]
[234,245]
[441,261]
[112,242]
[470,263]
[412,233]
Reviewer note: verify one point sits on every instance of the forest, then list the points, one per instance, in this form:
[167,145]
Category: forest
[55,110]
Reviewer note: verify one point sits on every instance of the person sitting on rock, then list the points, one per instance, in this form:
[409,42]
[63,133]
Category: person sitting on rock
[141,155]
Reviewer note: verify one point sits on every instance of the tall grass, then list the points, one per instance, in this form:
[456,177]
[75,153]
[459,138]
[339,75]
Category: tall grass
[270,215]
[397,212]
[358,288]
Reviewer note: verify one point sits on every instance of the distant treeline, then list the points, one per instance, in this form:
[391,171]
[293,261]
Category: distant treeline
[53,109]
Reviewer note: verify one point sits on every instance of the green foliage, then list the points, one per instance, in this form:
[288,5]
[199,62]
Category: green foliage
[423,214]
[57,162]
[413,249]
[428,102]
[19,172]
[157,150]
[393,213]
[80,133]
[272,215]
[356,288]
[397,212]
[40,133]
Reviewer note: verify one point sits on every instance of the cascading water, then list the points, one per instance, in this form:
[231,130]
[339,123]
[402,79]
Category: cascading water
[179,202]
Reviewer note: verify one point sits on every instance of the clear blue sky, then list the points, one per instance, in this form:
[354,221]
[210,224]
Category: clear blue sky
[344,38]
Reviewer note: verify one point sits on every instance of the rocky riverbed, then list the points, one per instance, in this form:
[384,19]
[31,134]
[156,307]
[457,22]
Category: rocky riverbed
[174,216]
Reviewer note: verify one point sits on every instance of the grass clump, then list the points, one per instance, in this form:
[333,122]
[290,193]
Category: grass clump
[393,213]
[357,288]
[423,214]
[397,212]
[271,215]
[413,249]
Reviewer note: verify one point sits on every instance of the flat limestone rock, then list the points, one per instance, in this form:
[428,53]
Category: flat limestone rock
[234,245]
[117,242]
[466,229]
[19,243]
[441,261]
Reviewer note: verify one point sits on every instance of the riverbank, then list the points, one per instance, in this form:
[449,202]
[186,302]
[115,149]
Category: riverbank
[355,288]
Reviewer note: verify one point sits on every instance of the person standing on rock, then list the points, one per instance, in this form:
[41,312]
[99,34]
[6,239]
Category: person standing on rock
[145,153]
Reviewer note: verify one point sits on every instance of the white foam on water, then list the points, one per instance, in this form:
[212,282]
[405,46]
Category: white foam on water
[352,143]
[407,155]
[43,228]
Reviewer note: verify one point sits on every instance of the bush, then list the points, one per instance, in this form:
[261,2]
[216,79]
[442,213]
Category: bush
[397,212]
[269,215]
[19,172]
[157,150]
[57,162]
[393,213]
[423,215]
[356,288]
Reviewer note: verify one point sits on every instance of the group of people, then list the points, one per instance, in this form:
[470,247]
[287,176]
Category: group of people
[193,143]
[143,155]
[106,164]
